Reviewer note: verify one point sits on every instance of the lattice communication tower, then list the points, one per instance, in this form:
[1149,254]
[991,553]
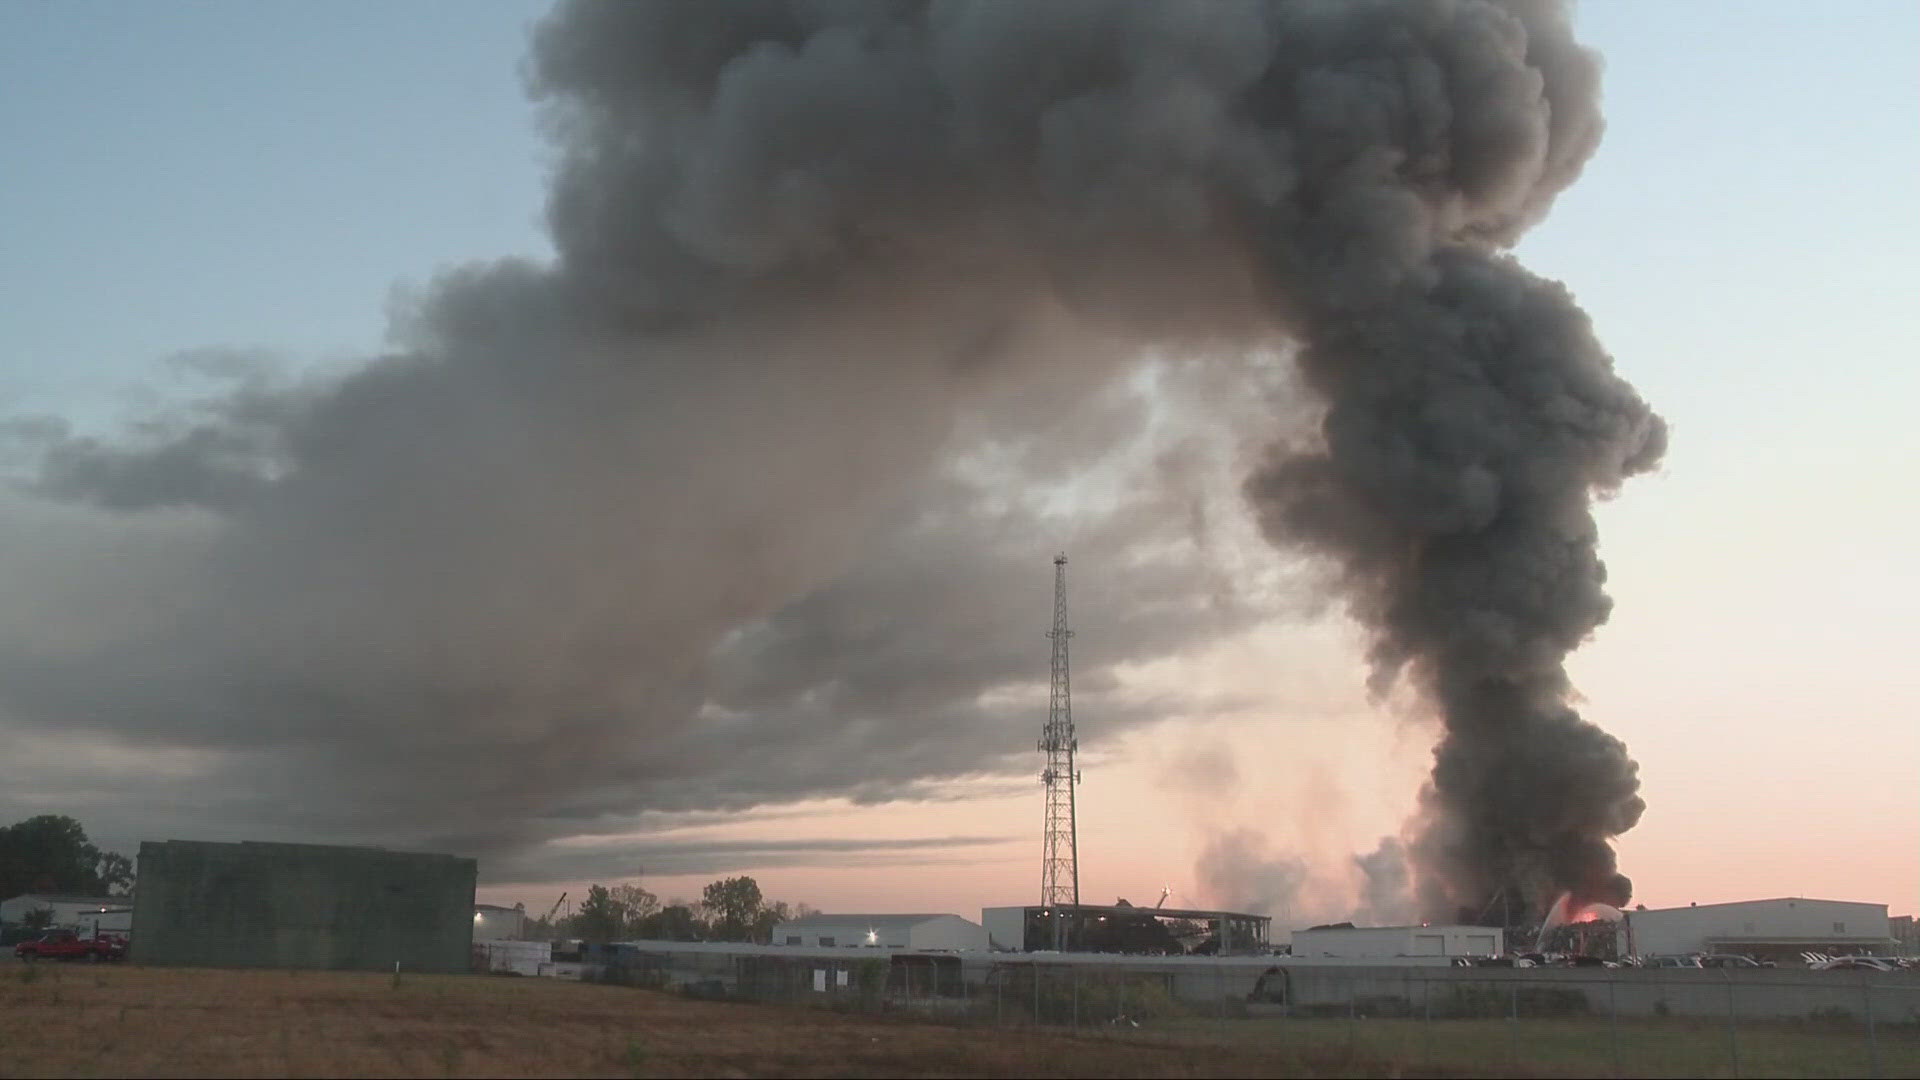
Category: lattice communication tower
[1060,861]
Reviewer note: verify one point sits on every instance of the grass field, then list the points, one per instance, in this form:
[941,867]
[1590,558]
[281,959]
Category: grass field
[115,1020]
[1580,1047]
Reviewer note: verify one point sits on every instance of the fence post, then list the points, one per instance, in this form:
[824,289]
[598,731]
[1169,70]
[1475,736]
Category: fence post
[1733,1028]
[1513,1018]
[1036,993]
[1076,997]
[1613,1018]
[1426,995]
[1873,1037]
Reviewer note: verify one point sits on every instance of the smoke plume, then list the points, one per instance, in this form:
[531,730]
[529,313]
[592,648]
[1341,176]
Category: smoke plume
[616,533]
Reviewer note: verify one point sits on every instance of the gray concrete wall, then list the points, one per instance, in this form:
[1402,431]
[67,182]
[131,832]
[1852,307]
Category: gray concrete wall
[302,906]
[1747,994]
[1386,989]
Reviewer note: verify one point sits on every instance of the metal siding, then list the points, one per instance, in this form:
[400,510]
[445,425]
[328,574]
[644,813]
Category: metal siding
[302,906]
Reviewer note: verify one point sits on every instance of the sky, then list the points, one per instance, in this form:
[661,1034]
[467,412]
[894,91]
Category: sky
[272,182]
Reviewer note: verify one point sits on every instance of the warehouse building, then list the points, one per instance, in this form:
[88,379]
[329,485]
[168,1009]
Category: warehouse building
[930,932]
[108,914]
[1779,929]
[302,906]
[491,922]
[1378,942]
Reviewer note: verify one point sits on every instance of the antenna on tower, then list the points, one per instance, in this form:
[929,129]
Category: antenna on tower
[1060,860]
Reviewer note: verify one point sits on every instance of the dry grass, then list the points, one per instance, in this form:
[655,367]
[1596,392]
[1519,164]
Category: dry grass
[89,1020]
[1584,1047]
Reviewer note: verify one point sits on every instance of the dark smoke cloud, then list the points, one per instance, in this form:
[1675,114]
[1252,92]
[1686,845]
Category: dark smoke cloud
[680,520]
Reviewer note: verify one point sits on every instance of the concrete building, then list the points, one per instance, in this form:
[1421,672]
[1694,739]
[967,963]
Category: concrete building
[930,932]
[302,906]
[111,913]
[1378,942]
[1779,929]
[1907,933]
[491,922]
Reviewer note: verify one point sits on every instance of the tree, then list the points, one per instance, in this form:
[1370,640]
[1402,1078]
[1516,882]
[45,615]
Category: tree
[613,914]
[51,854]
[115,871]
[636,905]
[675,922]
[601,917]
[770,916]
[734,906]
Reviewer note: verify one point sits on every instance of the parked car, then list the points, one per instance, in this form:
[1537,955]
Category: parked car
[1588,961]
[1858,963]
[1503,961]
[1671,962]
[69,945]
[1731,960]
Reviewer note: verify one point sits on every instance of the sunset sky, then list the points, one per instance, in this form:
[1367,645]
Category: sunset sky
[266,183]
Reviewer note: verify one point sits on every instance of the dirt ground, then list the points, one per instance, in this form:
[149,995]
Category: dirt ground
[117,1020]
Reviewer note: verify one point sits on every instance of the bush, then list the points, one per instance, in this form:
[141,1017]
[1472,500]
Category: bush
[1493,1000]
[705,990]
[1091,997]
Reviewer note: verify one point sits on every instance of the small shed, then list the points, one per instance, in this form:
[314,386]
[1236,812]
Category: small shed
[931,932]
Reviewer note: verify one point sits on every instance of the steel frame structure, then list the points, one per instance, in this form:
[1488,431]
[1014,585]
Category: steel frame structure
[1060,858]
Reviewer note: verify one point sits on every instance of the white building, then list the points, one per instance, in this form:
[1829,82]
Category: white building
[1767,929]
[491,922]
[1380,942]
[949,932]
[113,913]
[516,957]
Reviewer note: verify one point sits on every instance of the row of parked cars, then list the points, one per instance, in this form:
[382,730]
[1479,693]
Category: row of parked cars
[1701,960]
[1815,961]
[1694,961]
[1823,962]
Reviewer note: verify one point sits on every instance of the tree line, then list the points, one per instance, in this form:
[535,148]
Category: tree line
[731,909]
[51,854]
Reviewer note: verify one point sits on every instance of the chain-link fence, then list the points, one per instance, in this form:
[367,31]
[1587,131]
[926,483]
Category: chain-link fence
[1566,1021]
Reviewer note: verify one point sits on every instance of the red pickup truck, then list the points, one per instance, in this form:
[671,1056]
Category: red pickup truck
[68,945]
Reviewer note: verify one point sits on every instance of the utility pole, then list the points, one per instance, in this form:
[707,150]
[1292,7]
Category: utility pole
[1060,860]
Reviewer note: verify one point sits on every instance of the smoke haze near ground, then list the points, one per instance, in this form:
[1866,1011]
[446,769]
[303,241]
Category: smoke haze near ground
[684,520]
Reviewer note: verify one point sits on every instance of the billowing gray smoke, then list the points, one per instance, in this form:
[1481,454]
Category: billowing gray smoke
[609,519]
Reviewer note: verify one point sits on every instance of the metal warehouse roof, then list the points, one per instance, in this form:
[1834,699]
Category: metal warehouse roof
[90,901]
[864,922]
[1767,900]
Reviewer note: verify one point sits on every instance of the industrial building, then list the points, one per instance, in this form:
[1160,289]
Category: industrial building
[1378,942]
[491,922]
[1123,928]
[302,906]
[105,913]
[930,932]
[1779,929]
